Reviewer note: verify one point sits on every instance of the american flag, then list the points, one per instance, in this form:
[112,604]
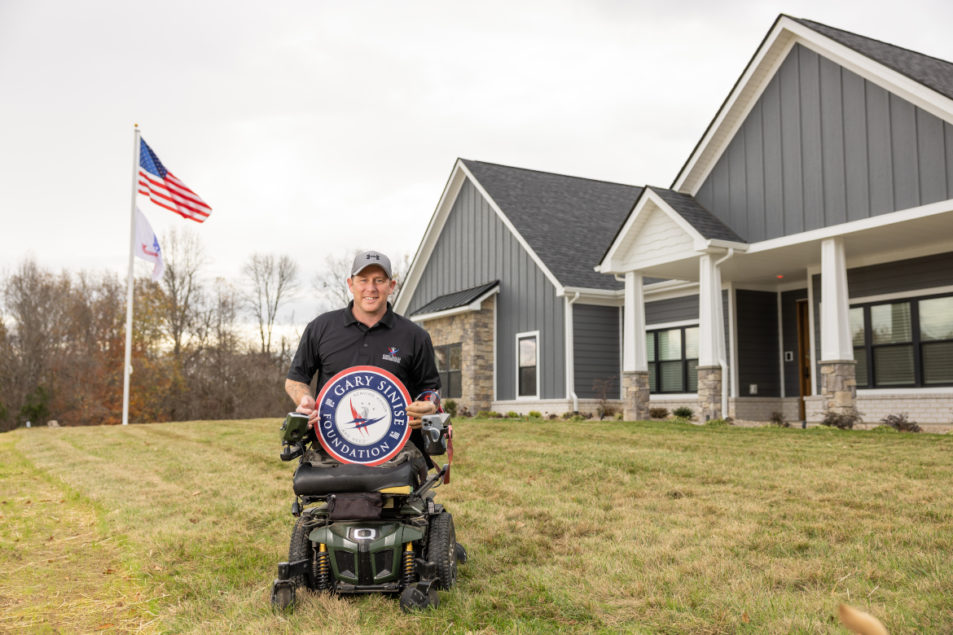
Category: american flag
[165,190]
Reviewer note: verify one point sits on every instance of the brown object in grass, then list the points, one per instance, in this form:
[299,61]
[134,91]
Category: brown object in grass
[857,621]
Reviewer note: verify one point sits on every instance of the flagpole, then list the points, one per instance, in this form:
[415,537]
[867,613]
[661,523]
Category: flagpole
[127,362]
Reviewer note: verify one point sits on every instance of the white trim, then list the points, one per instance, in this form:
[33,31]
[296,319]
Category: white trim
[732,342]
[596,297]
[900,392]
[439,218]
[621,320]
[613,261]
[843,229]
[781,345]
[729,118]
[812,337]
[764,65]
[496,360]
[519,336]
[570,358]
[509,225]
[672,396]
[902,295]
[682,290]
[670,325]
[458,175]
[468,308]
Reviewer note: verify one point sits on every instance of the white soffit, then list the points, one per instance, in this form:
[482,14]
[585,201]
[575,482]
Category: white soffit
[762,68]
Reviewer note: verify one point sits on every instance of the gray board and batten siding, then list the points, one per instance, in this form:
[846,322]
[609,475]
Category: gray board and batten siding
[823,146]
[476,247]
[758,349]
[597,351]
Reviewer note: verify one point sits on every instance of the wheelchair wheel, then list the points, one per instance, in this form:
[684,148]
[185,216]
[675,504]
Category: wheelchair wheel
[442,549]
[302,549]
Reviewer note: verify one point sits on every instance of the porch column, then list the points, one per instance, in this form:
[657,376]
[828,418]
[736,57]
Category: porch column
[635,366]
[711,339]
[837,366]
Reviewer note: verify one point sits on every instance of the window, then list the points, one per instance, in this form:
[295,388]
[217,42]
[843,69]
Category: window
[903,344]
[673,359]
[449,363]
[527,360]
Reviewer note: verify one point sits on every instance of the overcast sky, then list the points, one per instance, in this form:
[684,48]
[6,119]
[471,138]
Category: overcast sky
[322,127]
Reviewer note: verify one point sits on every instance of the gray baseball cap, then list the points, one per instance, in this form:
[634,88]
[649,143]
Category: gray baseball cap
[367,258]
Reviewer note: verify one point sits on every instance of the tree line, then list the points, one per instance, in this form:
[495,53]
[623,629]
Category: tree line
[62,340]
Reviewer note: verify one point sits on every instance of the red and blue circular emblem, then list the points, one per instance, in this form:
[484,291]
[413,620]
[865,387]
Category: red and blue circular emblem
[362,416]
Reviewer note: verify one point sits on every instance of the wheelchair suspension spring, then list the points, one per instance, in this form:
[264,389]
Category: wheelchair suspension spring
[410,567]
[323,566]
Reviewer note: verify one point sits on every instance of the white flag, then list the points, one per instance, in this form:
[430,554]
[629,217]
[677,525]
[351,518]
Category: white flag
[147,244]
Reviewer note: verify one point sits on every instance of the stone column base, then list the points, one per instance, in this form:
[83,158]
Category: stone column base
[839,386]
[635,399]
[709,393]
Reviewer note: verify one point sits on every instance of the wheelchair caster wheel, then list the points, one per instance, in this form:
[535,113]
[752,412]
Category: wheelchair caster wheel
[413,599]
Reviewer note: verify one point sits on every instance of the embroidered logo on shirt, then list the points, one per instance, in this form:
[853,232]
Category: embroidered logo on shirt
[363,416]
[391,354]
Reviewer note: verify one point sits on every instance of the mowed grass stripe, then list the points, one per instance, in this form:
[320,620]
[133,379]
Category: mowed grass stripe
[60,571]
[644,527]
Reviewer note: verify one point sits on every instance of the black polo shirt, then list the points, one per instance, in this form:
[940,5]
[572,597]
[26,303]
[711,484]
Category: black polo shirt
[335,340]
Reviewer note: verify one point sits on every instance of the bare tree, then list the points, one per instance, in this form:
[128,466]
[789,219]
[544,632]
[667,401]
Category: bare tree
[274,280]
[330,282]
[184,256]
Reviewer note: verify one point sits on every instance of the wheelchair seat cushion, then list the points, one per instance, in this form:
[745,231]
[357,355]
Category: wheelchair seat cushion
[316,480]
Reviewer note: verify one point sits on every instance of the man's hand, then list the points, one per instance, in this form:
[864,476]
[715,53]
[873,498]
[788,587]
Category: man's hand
[306,407]
[419,409]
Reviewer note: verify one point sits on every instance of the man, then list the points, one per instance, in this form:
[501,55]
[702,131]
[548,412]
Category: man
[367,333]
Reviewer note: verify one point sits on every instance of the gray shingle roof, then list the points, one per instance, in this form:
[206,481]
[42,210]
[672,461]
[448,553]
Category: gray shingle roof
[704,222]
[456,299]
[929,71]
[568,221]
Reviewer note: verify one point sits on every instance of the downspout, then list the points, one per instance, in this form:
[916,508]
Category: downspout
[721,359]
[570,358]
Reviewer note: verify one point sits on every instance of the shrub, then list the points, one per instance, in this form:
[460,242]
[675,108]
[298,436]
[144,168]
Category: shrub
[553,417]
[618,416]
[488,414]
[901,423]
[841,421]
[778,419]
[36,406]
[535,414]
[512,414]
[577,418]
[450,406]
[658,413]
[567,416]
[683,412]
[718,423]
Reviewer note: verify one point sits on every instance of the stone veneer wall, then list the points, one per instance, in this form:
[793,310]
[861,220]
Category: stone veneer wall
[839,386]
[635,399]
[474,331]
[709,392]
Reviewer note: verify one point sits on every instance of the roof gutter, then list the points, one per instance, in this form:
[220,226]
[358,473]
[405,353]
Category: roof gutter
[722,362]
[570,361]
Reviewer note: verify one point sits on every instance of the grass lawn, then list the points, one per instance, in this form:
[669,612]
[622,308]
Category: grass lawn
[612,527]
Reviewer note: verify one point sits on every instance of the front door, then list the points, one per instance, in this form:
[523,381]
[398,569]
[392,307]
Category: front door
[803,356]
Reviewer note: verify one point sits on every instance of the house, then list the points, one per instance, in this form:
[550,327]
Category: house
[504,282]
[800,263]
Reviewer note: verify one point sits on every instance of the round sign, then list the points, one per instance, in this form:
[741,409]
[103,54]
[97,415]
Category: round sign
[362,416]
